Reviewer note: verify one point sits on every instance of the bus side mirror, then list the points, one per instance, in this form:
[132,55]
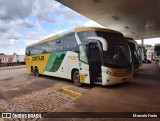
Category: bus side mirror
[102,40]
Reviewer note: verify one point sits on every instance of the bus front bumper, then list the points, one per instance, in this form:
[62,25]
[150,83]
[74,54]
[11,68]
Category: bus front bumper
[111,80]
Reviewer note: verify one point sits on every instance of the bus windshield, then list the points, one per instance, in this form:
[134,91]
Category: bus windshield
[134,53]
[118,53]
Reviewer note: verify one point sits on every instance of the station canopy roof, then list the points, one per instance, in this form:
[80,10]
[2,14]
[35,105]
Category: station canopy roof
[134,18]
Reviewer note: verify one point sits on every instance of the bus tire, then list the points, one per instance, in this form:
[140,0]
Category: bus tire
[37,72]
[75,78]
[34,71]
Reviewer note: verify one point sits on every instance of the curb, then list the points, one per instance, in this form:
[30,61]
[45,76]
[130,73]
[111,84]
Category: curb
[69,91]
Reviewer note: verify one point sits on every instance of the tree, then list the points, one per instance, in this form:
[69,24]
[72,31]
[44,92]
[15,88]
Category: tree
[147,46]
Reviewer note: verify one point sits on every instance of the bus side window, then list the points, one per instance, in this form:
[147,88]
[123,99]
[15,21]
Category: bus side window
[53,46]
[83,36]
[45,48]
[83,54]
[59,46]
[28,52]
[70,43]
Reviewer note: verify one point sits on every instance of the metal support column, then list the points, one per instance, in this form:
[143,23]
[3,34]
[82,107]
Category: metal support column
[142,42]
[143,49]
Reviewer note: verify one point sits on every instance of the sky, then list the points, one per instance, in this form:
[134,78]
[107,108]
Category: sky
[24,22]
[151,41]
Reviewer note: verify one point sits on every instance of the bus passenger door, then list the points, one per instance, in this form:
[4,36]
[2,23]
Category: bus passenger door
[94,63]
[84,73]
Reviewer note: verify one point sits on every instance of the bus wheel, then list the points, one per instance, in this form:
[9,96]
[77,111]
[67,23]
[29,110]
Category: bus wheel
[34,71]
[37,72]
[75,78]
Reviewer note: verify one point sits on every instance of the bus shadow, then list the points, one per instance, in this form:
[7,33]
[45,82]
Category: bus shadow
[112,86]
[67,81]
[128,85]
[151,75]
[87,86]
[90,86]
[58,79]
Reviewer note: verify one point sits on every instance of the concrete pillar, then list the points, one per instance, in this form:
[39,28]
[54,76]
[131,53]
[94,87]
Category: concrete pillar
[142,42]
[143,49]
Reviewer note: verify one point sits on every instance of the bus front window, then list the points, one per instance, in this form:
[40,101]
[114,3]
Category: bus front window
[118,56]
[134,53]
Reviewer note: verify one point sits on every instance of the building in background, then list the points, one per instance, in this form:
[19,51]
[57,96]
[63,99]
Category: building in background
[151,55]
[6,60]
[18,59]
[9,60]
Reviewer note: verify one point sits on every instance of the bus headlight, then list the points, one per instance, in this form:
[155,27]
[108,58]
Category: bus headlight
[117,74]
[108,72]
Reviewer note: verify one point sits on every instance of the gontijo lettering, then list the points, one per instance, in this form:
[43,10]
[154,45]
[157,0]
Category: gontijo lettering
[37,58]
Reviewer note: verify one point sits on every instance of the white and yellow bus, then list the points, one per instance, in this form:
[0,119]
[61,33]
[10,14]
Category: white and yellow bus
[141,51]
[157,52]
[84,55]
[133,45]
